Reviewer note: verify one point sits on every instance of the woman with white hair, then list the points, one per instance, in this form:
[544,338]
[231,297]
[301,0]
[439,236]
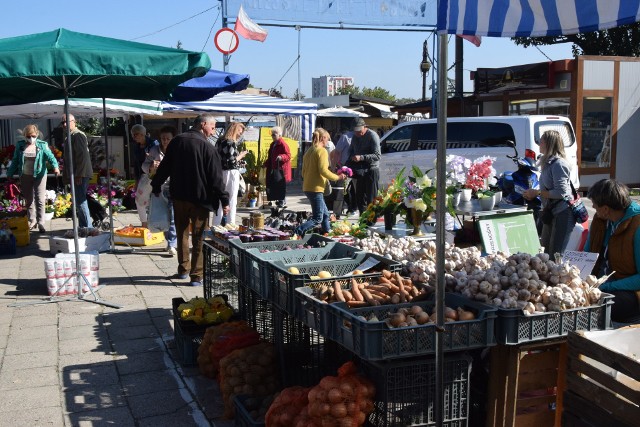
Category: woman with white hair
[278,166]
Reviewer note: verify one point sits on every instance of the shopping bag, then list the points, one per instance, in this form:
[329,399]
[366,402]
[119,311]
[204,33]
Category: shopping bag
[578,209]
[159,218]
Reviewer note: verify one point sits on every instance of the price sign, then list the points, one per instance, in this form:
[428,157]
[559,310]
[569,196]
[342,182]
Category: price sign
[583,260]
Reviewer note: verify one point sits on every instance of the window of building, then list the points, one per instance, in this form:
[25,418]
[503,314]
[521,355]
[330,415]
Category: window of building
[596,132]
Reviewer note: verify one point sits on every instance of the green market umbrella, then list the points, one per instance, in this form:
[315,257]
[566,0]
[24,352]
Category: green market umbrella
[60,64]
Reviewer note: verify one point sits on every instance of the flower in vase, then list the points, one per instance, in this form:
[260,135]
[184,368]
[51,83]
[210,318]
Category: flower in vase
[481,173]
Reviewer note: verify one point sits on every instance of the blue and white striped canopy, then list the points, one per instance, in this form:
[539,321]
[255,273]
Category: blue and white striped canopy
[233,104]
[510,18]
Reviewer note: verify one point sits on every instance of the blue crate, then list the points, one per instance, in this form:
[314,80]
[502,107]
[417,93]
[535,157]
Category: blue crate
[237,249]
[514,327]
[378,341]
[406,391]
[285,282]
[258,274]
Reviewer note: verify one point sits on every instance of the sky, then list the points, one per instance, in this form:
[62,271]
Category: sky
[386,59]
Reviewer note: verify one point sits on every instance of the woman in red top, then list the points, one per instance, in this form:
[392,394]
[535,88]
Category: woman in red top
[278,166]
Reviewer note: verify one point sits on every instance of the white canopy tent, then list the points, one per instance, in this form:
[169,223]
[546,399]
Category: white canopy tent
[92,107]
[340,112]
[233,104]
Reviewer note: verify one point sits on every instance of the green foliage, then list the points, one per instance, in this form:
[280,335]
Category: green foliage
[376,92]
[94,126]
[619,41]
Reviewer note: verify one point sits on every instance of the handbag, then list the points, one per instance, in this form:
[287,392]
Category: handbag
[577,206]
[327,188]
[159,216]
[277,174]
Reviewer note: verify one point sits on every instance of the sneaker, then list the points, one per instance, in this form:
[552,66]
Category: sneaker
[180,276]
[41,228]
[172,251]
[196,283]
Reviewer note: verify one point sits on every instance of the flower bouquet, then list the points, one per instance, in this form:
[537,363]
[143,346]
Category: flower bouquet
[481,174]
[61,205]
[388,201]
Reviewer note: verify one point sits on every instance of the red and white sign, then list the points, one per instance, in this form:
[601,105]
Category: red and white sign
[226,40]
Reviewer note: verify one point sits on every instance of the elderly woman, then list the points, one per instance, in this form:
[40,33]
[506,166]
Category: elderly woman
[230,158]
[315,173]
[29,163]
[143,145]
[556,221]
[149,167]
[615,235]
[278,166]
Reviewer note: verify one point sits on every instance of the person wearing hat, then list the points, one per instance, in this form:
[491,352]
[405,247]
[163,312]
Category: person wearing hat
[364,159]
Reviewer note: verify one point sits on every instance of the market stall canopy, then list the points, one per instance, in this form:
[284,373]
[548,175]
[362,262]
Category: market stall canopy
[60,63]
[234,104]
[209,85]
[92,107]
[340,112]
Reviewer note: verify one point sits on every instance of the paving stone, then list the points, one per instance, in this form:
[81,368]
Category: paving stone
[82,319]
[143,383]
[18,344]
[90,331]
[144,362]
[34,322]
[134,332]
[26,378]
[95,375]
[85,345]
[108,417]
[92,397]
[138,346]
[35,360]
[166,402]
[48,416]
[23,333]
[30,398]
[184,417]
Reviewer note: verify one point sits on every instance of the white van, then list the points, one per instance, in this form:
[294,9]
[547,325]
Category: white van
[414,143]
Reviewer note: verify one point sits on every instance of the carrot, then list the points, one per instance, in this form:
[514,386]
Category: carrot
[356,304]
[347,295]
[337,290]
[414,291]
[403,297]
[355,290]
[393,288]
[387,274]
[379,288]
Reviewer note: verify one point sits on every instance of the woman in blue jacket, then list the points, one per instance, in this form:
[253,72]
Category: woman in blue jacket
[29,163]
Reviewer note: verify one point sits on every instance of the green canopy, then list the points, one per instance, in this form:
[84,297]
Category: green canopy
[41,67]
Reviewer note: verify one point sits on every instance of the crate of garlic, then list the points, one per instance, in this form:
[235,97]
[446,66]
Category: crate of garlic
[537,298]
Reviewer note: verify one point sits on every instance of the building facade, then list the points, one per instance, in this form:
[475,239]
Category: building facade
[329,85]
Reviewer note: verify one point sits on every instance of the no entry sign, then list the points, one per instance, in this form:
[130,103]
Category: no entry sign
[226,40]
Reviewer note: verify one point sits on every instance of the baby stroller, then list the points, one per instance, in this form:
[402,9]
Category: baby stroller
[98,214]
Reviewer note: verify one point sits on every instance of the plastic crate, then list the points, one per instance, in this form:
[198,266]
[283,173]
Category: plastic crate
[377,341]
[405,391]
[258,273]
[285,282]
[237,249]
[8,247]
[243,418]
[513,327]
[257,312]
[305,356]
[311,311]
[217,278]
[188,336]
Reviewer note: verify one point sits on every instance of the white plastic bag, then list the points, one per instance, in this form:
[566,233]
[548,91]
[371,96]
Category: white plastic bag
[158,213]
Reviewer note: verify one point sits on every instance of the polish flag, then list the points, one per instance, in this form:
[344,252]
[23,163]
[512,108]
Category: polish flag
[476,40]
[249,29]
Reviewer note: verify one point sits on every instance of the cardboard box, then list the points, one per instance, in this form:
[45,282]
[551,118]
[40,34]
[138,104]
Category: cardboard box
[147,239]
[22,237]
[62,245]
[99,243]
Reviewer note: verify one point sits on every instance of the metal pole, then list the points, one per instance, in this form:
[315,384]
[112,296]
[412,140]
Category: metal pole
[441,207]
[106,152]
[299,30]
[225,57]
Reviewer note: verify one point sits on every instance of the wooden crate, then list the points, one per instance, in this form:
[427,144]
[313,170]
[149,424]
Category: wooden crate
[526,384]
[597,394]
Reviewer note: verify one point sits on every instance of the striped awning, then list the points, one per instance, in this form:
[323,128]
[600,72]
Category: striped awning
[81,107]
[510,18]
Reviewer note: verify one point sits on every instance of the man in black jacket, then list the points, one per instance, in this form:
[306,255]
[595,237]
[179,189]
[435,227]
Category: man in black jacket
[196,187]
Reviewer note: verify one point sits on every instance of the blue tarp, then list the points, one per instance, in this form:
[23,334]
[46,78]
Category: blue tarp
[209,85]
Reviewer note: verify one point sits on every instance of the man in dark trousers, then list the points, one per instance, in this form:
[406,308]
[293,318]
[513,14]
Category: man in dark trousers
[364,160]
[197,189]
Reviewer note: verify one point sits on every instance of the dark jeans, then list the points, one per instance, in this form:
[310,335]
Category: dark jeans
[366,188]
[555,236]
[626,308]
[82,208]
[319,214]
[186,213]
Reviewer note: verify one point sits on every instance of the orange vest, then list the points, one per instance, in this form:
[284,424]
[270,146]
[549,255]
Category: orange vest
[620,253]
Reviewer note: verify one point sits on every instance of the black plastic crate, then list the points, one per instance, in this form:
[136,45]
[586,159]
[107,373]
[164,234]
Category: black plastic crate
[375,340]
[243,418]
[257,312]
[405,391]
[285,283]
[305,356]
[237,249]
[217,278]
[188,336]
[514,327]
[8,247]
[312,312]
[259,275]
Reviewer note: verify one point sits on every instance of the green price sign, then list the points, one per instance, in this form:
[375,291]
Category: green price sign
[509,233]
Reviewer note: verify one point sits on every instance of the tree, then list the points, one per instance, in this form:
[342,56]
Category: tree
[179,45]
[298,95]
[376,92]
[619,41]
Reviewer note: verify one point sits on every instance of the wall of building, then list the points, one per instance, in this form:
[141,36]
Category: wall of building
[628,123]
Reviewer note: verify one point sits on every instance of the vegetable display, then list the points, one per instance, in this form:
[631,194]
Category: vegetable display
[205,311]
[290,408]
[219,341]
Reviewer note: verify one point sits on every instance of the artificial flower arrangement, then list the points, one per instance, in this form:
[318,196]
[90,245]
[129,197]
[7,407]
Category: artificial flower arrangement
[10,203]
[389,201]
[456,171]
